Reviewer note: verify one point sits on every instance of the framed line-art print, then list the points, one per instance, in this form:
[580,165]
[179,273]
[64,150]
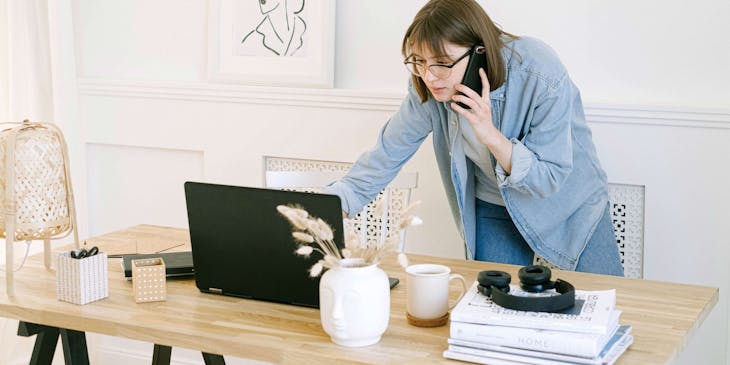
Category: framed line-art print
[272,42]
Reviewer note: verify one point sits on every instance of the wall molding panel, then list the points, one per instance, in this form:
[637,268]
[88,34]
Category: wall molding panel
[129,185]
[225,93]
[374,101]
[658,116]
[114,354]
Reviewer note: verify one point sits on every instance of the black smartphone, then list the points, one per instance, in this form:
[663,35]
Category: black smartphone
[477,60]
[393,282]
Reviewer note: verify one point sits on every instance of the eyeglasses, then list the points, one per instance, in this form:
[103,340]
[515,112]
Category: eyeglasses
[439,70]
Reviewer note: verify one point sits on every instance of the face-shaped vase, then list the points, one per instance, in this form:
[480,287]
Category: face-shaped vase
[354,303]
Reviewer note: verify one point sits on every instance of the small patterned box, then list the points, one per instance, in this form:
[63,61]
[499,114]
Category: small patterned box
[82,281]
[148,280]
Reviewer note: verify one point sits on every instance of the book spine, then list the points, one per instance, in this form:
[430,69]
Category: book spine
[469,347]
[494,357]
[556,325]
[584,345]
[475,358]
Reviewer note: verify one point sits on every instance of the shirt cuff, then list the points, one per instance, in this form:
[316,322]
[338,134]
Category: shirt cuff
[522,160]
[339,189]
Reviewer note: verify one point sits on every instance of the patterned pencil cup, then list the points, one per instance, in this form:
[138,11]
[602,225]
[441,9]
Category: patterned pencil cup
[82,281]
[148,280]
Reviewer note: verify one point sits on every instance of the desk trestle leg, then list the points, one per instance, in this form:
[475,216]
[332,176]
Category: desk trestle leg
[211,359]
[74,344]
[74,347]
[162,354]
[45,342]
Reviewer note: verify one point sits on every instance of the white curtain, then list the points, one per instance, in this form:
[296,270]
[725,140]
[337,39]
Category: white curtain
[27,75]
[37,82]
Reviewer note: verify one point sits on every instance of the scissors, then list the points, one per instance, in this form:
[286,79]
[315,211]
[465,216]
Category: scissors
[80,254]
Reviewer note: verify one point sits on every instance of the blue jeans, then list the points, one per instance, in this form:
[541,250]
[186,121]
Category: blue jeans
[498,240]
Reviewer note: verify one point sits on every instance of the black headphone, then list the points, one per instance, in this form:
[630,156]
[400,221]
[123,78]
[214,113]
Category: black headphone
[534,279]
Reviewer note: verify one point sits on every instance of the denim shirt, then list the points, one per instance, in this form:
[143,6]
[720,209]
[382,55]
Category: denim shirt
[557,190]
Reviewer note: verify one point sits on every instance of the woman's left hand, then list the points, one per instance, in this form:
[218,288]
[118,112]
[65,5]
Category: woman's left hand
[480,119]
[480,114]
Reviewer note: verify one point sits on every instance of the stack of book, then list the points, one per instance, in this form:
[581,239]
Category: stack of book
[588,333]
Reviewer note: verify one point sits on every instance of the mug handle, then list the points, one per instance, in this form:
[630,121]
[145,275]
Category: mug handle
[463,288]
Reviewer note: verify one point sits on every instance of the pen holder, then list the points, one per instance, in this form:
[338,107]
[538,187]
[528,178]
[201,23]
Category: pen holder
[148,280]
[82,281]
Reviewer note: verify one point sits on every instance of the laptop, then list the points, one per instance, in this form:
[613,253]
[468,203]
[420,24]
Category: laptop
[243,247]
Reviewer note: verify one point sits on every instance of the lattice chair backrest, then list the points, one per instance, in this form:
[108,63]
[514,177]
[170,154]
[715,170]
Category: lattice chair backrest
[313,175]
[36,197]
[627,214]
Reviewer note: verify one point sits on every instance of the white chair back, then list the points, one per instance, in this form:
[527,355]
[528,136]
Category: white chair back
[627,215]
[314,175]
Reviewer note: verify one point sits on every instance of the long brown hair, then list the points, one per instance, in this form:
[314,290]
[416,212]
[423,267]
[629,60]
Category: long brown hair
[463,23]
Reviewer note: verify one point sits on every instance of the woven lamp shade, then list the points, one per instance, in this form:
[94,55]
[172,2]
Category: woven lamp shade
[36,198]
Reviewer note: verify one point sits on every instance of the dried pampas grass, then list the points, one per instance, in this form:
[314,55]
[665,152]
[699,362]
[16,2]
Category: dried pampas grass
[314,234]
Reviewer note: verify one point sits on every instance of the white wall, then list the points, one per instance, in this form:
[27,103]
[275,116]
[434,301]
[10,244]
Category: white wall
[653,74]
[621,52]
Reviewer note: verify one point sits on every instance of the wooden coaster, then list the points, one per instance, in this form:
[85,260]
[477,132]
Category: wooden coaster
[433,322]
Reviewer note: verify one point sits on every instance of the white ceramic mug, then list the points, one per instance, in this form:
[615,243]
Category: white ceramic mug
[427,286]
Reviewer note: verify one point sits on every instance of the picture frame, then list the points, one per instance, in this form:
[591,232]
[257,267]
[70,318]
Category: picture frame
[245,46]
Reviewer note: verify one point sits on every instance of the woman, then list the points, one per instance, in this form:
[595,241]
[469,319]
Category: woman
[519,166]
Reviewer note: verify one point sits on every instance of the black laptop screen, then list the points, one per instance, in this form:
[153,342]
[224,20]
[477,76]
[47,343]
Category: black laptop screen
[243,247]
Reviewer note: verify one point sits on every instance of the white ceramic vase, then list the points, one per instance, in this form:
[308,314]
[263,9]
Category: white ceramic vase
[354,303]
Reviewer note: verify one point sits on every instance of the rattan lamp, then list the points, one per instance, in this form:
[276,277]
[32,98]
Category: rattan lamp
[36,198]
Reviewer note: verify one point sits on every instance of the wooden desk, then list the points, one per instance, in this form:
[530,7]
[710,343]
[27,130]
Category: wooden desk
[663,315]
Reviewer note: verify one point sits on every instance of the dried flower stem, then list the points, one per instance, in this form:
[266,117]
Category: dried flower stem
[311,231]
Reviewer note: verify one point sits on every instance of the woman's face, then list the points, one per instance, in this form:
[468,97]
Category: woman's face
[442,88]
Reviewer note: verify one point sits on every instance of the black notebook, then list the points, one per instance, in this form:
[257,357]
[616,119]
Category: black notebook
[176,263]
